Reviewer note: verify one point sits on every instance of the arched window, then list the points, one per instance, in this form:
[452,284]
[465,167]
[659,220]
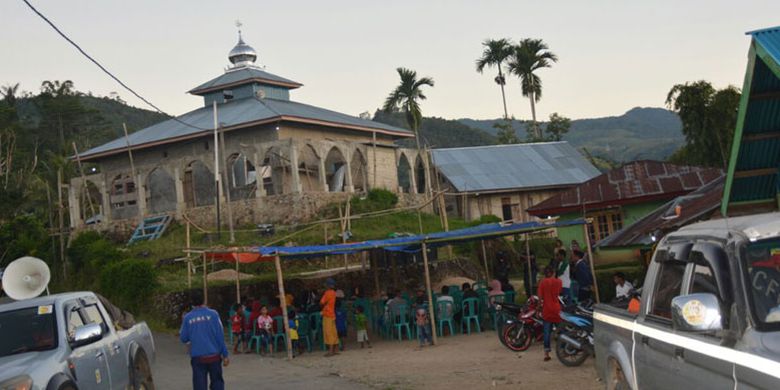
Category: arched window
[161,191]
[419,175]
[335,170]
[199,185]
[359,171]
[309,169]
[404,174]
[242,177]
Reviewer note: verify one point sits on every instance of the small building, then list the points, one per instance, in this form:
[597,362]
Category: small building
[621,197]
[753,179]
[505,180]
[281,161]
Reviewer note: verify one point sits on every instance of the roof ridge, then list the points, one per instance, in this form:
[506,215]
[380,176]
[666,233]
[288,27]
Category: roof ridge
[529,144]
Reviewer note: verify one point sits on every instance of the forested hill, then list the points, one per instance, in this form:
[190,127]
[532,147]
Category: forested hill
[640,133]
[440,132]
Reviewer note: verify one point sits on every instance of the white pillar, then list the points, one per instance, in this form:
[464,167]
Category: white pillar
[179,187]
[140,185]
[106,201]
[296,177]
[73,203]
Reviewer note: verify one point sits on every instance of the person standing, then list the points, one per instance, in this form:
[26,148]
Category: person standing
[564,273]
[502,267]
[201,328]
[328,305]
[549,290]
[582,275]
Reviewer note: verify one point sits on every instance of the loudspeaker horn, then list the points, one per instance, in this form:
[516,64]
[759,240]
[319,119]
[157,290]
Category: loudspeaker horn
[25,278]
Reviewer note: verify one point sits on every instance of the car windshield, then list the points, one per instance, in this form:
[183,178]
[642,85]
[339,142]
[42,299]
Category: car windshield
[763,265]
[29,329]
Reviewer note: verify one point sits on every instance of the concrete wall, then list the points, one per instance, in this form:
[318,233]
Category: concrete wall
[481,205]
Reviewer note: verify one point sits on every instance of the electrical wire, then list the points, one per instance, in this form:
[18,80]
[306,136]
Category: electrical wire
[106,71]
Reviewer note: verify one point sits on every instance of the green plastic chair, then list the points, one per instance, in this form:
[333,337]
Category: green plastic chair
[500,298]
[401,321]
[445,312]
[510,296]
[256,339]
[304,330]
[479,284]
[280,333]
[471,313]
[315,324]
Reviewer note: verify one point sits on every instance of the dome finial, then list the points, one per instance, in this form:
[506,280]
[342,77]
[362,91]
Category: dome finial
[242,54]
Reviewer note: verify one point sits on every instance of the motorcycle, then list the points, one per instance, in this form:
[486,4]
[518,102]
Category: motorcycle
[575,336]
[521,325]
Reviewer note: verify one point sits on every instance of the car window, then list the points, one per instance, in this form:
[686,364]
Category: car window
[74,321]
[763,265]
[667,286]
[703,280]
[94,316]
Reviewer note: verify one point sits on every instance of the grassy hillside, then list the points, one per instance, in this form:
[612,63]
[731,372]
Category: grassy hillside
[440,132]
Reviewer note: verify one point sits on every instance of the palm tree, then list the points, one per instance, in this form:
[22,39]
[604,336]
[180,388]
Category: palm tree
[405,97]
[495,54]
[529,56]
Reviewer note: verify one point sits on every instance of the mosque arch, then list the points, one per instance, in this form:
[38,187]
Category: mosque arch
[123,197]
[309,169]
[419,175]
[199,185]
[242,177]
[359,170]
[161,191]
[404,174]
[335,170]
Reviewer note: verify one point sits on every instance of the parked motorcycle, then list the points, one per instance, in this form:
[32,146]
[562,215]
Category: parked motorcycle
[522,326]
[575,336]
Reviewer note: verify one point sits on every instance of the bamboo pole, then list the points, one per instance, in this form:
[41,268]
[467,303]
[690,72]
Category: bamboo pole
[528,264]
[373,145]
[205,281]
[375,271]
[189,260]
[591,260]
[431,303]
[282,295]
[60,216]
[238,281]
[226,184]
[83,179]
[484,260]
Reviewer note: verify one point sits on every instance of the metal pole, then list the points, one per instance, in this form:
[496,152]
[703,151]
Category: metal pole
[280,282]
[432,304]
[226,191]
[591,260]
[216,169]
[373,141]
[484,259]
[60,216]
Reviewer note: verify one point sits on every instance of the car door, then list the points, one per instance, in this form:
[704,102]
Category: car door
[116,356]
[89,362]
[656,366]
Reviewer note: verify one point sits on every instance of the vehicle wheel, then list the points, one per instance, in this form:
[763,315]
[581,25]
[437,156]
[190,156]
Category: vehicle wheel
[142,373]
[616,380]
[568,354]
[517,338]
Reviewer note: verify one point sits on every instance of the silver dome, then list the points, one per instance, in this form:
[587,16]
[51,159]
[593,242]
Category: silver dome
[242,54]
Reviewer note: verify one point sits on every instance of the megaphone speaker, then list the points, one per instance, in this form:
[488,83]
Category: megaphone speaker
[25,278]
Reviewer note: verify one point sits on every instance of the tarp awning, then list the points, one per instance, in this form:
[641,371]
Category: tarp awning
[413,243]
[232,255]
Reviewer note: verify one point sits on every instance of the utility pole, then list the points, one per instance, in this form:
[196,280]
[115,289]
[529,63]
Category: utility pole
[218,187]
[227,189]
[61,226]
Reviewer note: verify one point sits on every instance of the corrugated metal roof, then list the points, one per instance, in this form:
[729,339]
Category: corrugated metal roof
[244,75]
[695,206]
[522,166]
[235,114]
[638,181]
[753,181]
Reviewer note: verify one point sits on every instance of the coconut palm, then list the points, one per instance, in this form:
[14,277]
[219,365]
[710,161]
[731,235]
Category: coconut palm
[495,54]
[529,56]
[405,98]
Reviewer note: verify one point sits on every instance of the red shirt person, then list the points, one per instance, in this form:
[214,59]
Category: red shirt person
[549,289]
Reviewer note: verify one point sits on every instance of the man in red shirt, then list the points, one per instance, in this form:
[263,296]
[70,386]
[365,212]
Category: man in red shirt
[549,290]
[328,304]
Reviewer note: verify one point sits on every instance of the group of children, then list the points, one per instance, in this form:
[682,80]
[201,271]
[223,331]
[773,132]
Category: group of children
[254,320]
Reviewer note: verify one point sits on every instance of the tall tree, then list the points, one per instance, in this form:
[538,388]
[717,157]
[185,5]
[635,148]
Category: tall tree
[708,119]
[406,98]
[526,58]
[495,53]
[557,127]
[506,132]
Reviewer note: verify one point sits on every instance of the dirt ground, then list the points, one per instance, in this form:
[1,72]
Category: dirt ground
[478,361]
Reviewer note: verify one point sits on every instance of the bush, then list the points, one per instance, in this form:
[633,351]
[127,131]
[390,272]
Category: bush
[24,235]
[375,200]
[88,254]
[129,284]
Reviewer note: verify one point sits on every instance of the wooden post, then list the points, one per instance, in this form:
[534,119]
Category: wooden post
[83,179]
[189,260]
[484,259]
[132,166]
[60,216]
[205,281]
[226,184]
[375,271]
[431,303]
[591,260]
[373,145]
[280,282]
[528,263]
[238,281]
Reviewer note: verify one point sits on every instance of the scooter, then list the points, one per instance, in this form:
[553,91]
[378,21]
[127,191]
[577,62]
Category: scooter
[575,336]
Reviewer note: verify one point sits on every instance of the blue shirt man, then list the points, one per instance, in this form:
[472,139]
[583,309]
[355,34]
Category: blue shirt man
[582,275]
[202,329]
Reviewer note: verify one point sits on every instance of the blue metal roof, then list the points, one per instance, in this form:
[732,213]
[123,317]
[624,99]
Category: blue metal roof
[506,167]
[769,39]
[236,114]
[241,76]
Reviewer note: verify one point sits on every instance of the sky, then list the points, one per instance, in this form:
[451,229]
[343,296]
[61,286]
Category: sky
[613,55]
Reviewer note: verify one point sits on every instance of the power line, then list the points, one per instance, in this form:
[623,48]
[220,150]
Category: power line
[106,71]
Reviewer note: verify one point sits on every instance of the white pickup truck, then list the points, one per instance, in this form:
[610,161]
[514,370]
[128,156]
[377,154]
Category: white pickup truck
[73,341]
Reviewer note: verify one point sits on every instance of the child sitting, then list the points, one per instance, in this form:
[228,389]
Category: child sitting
[361,322]
[421,319]
[237,326]
[264,327]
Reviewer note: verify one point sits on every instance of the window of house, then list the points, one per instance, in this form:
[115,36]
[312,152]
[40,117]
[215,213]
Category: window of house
[506,209]
[667,286]
[604,223]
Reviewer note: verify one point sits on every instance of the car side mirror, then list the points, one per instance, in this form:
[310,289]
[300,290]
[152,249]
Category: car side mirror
[698,312]
[86,334]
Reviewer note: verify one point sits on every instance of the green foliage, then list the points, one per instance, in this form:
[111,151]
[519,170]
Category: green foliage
[490,218]
[375,200]
[506,133]
[88,254]
[709,117]
[495,53]
[439,132]
[406,97]
[557,127]
[23,236]
[128,284]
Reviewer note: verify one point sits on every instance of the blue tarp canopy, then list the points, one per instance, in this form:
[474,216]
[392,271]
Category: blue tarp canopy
[413,243]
